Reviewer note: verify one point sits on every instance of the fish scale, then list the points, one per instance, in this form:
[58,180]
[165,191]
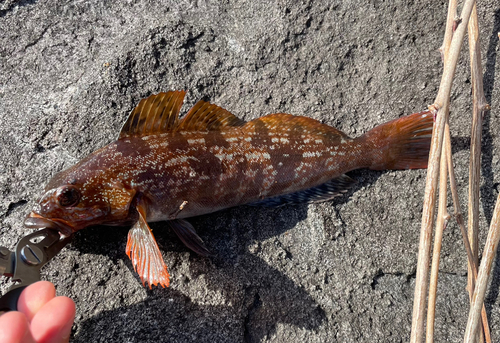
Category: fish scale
[166,168]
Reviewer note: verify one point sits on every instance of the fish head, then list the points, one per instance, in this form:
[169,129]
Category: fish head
[69,205]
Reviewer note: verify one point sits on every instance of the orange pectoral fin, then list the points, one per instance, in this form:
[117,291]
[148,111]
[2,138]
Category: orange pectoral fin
[145,254]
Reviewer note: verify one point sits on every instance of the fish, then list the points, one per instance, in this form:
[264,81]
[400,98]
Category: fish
[163,168]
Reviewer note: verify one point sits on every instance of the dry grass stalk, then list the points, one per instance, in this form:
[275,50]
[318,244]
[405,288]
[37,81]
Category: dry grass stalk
[483,275]
[441,223]
[446,161]
[440,109]
[479,105]
[448,33]
[461,224]
[442,219]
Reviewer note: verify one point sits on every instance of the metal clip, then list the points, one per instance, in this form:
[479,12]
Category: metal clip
[23,265]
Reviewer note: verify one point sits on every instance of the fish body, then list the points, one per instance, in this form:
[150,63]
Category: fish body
[163,168]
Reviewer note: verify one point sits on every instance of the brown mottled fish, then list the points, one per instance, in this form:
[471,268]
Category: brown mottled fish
[166,168]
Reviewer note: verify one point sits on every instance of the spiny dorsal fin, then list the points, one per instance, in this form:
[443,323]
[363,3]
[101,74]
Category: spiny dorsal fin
[158,113]
[204,116]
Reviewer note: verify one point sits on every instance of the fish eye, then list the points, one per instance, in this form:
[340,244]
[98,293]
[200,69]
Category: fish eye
[68,196]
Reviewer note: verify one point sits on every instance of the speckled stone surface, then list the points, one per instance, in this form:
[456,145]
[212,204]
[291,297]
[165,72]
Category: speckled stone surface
[340,271]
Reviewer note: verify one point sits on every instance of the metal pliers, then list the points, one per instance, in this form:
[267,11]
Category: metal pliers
[24,263]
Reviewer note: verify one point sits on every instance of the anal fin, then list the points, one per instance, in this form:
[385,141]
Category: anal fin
[323,192]
[145,255]
[188,236]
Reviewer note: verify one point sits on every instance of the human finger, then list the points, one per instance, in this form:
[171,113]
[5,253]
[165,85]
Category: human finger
[34,297]
[14,328]
[53,322]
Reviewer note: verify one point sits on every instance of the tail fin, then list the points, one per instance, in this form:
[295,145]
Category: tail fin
[402,143]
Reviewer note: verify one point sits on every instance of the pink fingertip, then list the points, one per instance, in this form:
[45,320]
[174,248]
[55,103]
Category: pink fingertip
[14,328]
[52,324]
[34,297]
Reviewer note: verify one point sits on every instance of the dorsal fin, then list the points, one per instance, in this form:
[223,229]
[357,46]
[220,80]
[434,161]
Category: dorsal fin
[204,116]
[158,113]
[288,123]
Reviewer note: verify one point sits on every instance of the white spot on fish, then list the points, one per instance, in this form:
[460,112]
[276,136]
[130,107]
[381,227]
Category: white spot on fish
[224,156]
[179,160]
[196,141]
[302,169]
[251,156]
[311,154]
[251,173]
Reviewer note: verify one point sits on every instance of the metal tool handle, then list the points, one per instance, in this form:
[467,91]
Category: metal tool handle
[8,302]
[23,265]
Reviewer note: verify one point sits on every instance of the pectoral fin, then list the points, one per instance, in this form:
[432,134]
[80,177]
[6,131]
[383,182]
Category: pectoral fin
[145,255]
[188,236]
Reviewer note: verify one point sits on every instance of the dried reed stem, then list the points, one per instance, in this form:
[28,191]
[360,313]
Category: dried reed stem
[479,106]
[489,254]
[456,203]
[443,216]
[461,224]
[448,33]
[441,223]
[479,102]
[441,106]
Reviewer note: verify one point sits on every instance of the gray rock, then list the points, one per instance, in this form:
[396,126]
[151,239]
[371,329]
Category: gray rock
[341,271]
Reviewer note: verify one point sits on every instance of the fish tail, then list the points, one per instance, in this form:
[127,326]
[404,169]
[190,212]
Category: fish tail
[402,143]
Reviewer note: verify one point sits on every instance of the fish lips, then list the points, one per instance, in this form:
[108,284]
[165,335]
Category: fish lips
[36,221]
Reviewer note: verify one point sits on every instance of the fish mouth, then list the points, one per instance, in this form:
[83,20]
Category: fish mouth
[36,221]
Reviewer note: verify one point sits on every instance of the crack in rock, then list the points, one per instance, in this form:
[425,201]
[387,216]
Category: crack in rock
[12,206]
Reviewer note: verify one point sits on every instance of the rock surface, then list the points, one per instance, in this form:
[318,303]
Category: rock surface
[341,271]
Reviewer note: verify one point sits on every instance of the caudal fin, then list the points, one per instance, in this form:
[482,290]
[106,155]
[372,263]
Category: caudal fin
[402,143]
